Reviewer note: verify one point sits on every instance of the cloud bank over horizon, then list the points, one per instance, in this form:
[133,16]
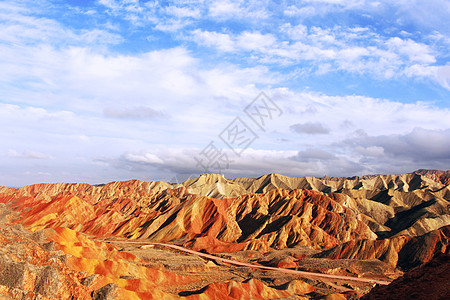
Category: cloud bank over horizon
[114,90]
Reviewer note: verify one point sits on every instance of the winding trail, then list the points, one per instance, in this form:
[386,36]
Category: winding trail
[238,263]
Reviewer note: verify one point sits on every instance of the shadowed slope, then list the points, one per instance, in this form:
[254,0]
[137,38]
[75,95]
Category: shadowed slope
[264,217]
[429,282]
[217,186]
[276,219]
[369,225]
[403,252]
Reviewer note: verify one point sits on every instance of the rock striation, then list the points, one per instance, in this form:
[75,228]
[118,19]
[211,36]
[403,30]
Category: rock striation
[275,219]
[53,237]
[404,252]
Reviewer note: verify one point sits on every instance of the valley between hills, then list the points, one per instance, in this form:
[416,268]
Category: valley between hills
[272,237]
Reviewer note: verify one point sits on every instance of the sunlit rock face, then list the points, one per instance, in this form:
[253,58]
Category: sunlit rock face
[275,219]
[397,222]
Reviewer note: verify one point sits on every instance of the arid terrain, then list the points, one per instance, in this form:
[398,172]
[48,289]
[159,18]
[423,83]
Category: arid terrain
[272,237]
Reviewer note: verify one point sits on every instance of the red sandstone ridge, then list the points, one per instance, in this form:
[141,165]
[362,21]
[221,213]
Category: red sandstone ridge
[375,226]
[403,252]
[277,219]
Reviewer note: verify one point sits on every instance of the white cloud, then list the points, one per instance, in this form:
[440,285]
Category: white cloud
[297,32]
[328,50]
[346,152]
[181,161]
[352,49]
[387,138]
[115,6]
[314,8]
[183,12]
[10,112]
[353,54]
[146,158]
[249,11]
[359,156]
[22,29]
[172,25]
[255,41]
[140,112]
[415,52]
[443,76]
[252,163]
[245,41]
[72,94]
[224,9]
[27,154]
[294,11]
[401,152]
[221,41]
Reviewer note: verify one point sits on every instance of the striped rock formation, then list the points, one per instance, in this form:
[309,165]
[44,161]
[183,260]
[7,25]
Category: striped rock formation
[392,222]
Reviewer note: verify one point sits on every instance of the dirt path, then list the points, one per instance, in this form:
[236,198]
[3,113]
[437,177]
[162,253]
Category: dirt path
[238,263]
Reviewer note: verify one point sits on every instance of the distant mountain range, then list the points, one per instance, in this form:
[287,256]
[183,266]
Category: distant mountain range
[399,221]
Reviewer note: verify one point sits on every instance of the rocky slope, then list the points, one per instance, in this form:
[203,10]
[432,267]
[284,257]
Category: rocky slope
[276,219]
[214,185]
[430,282]
[404,252]
[437,175]
[61,263]
[370,226]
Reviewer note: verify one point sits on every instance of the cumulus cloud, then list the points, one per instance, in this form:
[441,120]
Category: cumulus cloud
[418,145]
[321,48]
[224,9]
[350,49]
[72,91]
[183,162]
[345,154]
[252,163]
[398,153]
[310,128]
[357,156]
[221,41]
[145,158]
[412,50]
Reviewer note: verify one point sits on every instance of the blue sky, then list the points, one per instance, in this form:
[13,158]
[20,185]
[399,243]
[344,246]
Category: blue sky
[95,91]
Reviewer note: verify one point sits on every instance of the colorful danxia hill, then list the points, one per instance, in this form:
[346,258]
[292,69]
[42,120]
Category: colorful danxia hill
[272,237]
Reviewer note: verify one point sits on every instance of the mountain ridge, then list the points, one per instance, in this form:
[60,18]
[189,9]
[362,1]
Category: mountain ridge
[377,226]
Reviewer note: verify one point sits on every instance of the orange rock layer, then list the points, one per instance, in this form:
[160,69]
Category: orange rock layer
[276,219]
[404,252]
